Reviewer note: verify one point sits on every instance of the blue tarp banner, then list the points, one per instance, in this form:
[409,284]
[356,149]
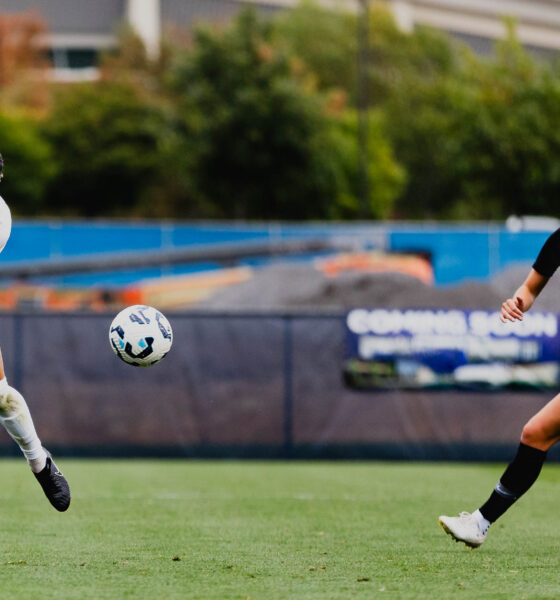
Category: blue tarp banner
[450,348]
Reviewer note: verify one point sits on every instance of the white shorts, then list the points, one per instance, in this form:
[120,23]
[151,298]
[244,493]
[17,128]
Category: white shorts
[5,224]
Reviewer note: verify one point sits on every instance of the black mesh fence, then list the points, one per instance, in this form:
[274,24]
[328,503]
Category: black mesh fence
[239,386]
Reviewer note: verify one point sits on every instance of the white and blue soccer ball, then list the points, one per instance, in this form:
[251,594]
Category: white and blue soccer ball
[140,335]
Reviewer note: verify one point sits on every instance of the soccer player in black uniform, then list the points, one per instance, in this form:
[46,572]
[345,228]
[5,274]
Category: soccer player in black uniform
[15,415]
[539,433]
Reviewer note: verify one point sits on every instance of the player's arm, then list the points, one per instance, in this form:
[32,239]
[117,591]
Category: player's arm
[544,267]
[1,167]
[513,308]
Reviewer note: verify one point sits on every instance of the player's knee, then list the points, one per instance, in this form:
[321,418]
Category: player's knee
[534,435]
[5,402]
[4,397]
[10,401]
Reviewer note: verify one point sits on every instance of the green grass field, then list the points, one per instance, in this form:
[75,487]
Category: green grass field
[238,530]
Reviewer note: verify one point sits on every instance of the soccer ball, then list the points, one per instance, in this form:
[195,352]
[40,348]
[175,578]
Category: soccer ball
[140,335]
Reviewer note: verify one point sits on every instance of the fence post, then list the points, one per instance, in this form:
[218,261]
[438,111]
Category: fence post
[288,387]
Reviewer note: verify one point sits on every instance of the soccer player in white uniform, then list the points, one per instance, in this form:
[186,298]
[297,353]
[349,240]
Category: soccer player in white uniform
[539,433]
[15,415]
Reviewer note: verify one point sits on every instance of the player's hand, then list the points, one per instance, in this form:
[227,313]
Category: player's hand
[512,310]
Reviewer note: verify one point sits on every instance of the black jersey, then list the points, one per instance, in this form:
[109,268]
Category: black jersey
[548,259]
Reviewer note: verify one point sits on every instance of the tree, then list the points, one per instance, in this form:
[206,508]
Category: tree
[324,40]
[510,147]
[405,70]
[253,127]
[28,165]
[22,61]
[386,177]
[427,137]
[110,145]
[400,59]
[480,142]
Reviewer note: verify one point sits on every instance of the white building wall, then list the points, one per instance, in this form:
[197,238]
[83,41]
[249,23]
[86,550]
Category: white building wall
[538,21]
[144,16]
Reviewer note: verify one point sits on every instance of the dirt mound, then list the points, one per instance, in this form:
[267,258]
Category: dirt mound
[302,287]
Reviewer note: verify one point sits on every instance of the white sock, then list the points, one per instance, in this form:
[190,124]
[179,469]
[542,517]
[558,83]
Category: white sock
[16,419]
[483,523]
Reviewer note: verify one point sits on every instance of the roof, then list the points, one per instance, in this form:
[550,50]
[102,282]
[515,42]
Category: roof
[181,13]
[92,23]
[72,16]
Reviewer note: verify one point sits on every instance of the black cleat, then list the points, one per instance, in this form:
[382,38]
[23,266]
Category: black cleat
[54,485]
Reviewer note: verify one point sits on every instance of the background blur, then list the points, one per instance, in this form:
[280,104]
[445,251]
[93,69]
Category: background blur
[255,170]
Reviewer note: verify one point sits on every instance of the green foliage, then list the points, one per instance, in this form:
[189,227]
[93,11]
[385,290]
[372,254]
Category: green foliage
[28,165]
[479,143]
[324,40]
[108,143]
[256,120]
[400,60]
[422,126]
[385,176]
[254,133]
[512,138]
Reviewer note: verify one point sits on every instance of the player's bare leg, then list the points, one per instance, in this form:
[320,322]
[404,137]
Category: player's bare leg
[542,430]
[16,419]
[539,434]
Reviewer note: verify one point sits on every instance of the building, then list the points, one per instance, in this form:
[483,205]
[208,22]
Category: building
[80,29]
[481,22]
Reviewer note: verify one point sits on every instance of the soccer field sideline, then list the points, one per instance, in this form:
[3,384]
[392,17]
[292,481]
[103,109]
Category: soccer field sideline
[272,530]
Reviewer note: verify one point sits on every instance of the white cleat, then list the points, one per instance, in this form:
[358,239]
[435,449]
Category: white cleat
[464,528]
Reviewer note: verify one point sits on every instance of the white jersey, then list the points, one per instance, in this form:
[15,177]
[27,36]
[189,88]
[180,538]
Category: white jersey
[5,223]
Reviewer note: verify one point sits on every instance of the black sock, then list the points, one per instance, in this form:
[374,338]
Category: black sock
[520,475]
